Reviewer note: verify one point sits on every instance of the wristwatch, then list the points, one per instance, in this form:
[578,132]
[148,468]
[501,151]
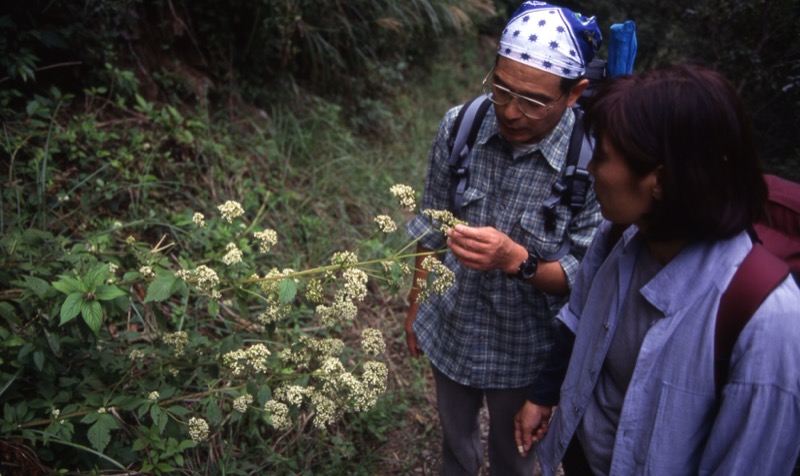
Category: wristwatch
[527,269]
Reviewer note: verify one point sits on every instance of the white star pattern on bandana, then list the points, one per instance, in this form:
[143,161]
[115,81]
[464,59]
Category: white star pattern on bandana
[542,36]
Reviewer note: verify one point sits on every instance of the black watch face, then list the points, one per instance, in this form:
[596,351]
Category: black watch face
[528,271]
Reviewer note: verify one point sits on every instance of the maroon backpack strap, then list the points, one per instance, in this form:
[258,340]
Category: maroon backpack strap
[757,276]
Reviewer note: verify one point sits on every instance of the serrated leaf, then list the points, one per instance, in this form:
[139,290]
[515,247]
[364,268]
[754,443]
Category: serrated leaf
[287,290]
[71,307]
[90,417]
[99,434]
[107,293]
[68,285]
[92,313]
[161,288]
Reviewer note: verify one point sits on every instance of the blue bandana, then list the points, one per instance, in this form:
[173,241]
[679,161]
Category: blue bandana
[551,38]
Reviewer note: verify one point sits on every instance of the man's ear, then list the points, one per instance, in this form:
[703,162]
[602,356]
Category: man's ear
[576,91]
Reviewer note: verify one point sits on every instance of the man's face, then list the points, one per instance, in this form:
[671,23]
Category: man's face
[536,84]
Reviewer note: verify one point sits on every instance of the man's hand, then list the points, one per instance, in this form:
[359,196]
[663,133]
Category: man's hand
[485,248]
[530,425]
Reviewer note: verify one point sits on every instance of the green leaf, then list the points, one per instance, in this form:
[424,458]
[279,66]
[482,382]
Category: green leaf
[287,290]
[8,313]
[161,288]
[92,313]
[90,417]
[214,414]
[186,444]
[99,434]
[213,308]
[68,285]
[38,359]
[71,307]
[139,445]
[39,286]
[96,277]
[107,293]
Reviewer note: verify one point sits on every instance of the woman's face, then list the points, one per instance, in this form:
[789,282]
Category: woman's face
[624,197]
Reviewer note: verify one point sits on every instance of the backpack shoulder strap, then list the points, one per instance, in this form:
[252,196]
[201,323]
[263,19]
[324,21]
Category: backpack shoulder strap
[758,275]
[574,185]
[462,138]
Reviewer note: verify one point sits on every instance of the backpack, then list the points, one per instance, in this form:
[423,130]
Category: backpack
[570,190]
[775,254]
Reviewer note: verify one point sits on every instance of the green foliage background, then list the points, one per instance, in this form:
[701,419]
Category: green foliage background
[121,118]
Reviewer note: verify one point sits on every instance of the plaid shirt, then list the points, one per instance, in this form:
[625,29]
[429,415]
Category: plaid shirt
[489,331]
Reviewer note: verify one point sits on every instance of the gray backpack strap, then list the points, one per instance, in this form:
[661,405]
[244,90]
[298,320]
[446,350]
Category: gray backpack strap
[573,187]
[462,138]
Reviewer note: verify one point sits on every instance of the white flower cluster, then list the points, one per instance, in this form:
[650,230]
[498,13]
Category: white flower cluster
[405,196]
[326,410]
[341,310]
[291,394]
[253,359]
[274,312]
[443,279]
[241,402]
[136,354]
[372,342]
[198,429]
[355,284]
[147,272]
[266,239]
[386,224]
[233,254]
[206,277]
[444,218]
[231,210]
[278,414]
[199,220]
[154,396]
[344,258]
[314,291]
[178,340]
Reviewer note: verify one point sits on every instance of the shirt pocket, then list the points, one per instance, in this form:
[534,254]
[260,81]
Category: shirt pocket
[546,230]
[681,428]
[473,203]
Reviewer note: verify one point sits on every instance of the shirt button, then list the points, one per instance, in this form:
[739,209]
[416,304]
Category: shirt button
[607,325]
[592,372]
[577,410]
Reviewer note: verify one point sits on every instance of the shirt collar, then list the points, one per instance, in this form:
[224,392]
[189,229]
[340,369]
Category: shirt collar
[711,263]
[553,147]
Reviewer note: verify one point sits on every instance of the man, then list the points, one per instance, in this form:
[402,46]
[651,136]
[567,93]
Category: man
[489,335]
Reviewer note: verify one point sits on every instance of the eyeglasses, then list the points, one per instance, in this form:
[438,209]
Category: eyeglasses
[502,96]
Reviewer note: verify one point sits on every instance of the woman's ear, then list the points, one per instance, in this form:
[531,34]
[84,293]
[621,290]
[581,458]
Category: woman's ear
[658,190]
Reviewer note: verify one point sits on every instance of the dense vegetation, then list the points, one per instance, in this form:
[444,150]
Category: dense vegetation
[122,120]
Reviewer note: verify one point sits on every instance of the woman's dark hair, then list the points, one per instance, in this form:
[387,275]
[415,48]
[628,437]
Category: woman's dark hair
[690,121]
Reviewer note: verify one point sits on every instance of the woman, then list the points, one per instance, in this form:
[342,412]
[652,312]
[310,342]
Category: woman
[676,164]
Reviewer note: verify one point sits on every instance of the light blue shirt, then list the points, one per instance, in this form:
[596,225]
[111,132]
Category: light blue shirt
[668,424]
